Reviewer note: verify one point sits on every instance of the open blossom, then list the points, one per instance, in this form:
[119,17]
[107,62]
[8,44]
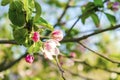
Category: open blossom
[50,48]
[57,35]
[35,37]
[29,58]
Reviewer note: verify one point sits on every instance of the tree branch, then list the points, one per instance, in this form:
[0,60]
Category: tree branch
[92,34]
[3,68]
[95,67]
[73,39]
[7,42]
[99,54]
[60,68]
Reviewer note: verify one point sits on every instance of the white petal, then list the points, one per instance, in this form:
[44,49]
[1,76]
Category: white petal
[48,54]
[57,51]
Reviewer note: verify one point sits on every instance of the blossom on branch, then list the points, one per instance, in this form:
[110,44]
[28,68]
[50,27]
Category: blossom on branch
[57,35]
[50,48]
[29,58]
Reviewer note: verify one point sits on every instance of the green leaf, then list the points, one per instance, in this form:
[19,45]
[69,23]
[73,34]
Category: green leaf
[20,35]
[95,19]
[28,6]
[5,2]
[16,13]
[88,7]
[38,11]
[87,11]
[111,18]
[35,47]
[44,23]
[83,19]
[98,3]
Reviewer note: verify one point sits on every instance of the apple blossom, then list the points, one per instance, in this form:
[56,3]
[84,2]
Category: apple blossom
[50,48]
[35,37]
[29,58]
[57,35]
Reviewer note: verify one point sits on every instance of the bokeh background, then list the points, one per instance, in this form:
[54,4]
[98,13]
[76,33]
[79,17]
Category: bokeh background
[84,66]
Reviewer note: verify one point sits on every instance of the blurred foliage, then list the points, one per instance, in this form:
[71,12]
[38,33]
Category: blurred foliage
[44,14]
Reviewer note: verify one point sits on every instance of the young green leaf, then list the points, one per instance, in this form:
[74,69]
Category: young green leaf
[28,6]
[20,35]
[35,47]
[111,18]
[95,19]
[87,11]
[98,3]
[88,7]
[83,19]
[38,11]
[44,23]
[16,13]
[5,2]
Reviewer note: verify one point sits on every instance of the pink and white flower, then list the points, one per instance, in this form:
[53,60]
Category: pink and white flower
[36,37]
[115,6]
[57,35]
[29,58]
[50,48]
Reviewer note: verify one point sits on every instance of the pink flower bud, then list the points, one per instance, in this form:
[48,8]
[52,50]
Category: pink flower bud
[35,37]
[115,6]
[29,58]
[72,54]
[61,63]
[57,35]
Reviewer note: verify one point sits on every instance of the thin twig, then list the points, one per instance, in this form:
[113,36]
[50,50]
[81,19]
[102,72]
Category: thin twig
[73,25]
[63,13]
[95,67]
[61,16]
[80,16]
[99,54]
[60,68]
[81,76]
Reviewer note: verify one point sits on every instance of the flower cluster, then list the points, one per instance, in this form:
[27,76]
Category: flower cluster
[49,46]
